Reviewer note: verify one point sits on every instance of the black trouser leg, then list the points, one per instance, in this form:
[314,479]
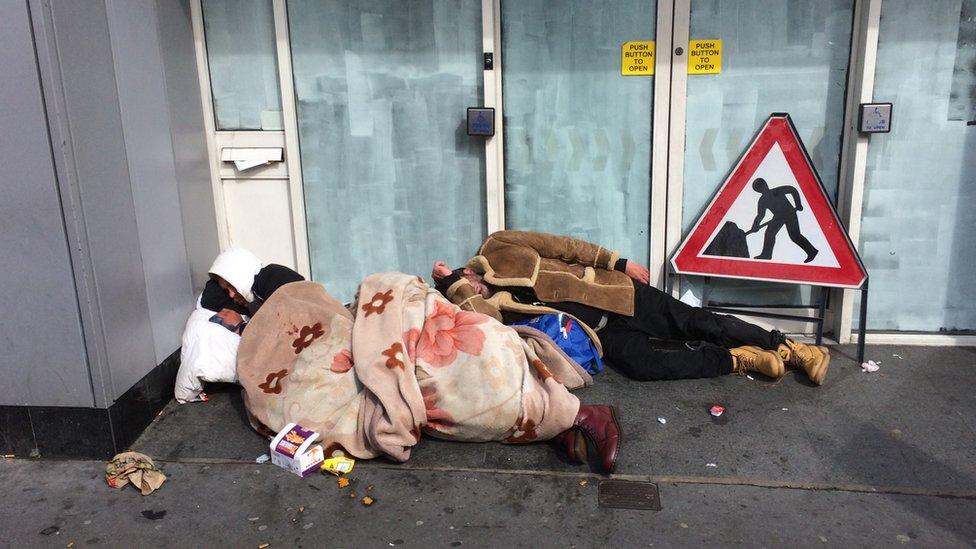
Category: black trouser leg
[627,344]
[664,317]
[633,353]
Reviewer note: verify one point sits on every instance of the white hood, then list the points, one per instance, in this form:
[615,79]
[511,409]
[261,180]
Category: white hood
[238,267]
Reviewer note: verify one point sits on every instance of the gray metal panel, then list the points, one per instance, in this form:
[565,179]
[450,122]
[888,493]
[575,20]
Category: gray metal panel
[98,175]
[42,354]
[189,140]
[149,152]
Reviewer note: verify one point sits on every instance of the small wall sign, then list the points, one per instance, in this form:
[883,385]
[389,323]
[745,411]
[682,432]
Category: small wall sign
[875,118]
[637,58]
[705,56]
[481,121]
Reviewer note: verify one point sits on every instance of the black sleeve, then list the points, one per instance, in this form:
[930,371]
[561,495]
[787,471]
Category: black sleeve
[270,278]
[443,284]
[215,298]
[620,265]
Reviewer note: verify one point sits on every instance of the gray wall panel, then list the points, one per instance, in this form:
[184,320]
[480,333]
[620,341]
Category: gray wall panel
[149,153]
[101,175]
[189,140]
[42,354]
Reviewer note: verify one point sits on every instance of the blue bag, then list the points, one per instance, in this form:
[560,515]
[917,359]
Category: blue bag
[570,337]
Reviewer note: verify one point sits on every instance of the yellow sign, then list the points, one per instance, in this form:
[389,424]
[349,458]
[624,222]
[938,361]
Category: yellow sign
[637,58]
[705,56]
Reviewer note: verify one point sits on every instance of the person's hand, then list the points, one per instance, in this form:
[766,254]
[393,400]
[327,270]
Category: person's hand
[637,271]
[230,318]
[440,270]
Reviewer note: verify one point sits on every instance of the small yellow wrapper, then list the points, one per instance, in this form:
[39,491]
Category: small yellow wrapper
[338,465]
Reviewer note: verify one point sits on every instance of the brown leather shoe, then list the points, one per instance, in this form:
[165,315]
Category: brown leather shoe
[573,444]
[599,425]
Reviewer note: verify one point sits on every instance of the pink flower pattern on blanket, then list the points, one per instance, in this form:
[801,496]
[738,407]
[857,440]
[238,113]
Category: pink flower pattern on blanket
[342,362]
[446,331]
[438,419]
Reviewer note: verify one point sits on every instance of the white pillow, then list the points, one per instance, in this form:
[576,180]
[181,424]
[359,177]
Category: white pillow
[209,353]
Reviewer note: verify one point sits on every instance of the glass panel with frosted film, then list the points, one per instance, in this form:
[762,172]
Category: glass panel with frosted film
[243,64]
[392,181]
[918,226]
[577,133]
[778,56]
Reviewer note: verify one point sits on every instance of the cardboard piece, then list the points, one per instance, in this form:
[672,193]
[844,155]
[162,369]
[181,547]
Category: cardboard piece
[292,449]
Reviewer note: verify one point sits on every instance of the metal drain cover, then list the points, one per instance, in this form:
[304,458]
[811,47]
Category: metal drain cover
[628,494]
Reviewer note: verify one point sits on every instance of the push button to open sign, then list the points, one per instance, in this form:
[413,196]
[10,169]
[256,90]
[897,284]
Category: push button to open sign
[705,56]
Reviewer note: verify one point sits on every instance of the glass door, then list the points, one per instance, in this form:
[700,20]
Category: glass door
[776,56]
[918,226]
[391,180]
[577,131]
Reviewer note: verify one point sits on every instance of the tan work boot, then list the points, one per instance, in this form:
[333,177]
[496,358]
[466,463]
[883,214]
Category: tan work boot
[813,359]
[753,359]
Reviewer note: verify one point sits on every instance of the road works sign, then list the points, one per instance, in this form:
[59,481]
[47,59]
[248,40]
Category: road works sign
[771,220]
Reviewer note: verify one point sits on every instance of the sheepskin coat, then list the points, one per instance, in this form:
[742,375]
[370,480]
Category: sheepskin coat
[557,268]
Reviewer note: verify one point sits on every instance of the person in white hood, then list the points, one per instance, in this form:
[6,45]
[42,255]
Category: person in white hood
[239,285]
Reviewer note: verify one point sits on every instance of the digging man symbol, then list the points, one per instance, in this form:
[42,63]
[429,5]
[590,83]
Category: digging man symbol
[777,202]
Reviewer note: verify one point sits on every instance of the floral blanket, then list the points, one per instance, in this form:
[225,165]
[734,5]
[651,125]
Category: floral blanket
[409,362]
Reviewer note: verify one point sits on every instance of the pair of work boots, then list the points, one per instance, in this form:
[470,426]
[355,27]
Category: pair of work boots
[812,359]
[596,425]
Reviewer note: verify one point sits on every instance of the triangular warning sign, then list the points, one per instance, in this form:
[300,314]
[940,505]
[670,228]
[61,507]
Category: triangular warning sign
[771,220]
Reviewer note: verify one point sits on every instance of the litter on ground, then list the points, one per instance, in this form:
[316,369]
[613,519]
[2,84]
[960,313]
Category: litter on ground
[869,366]
[263,458]
[135,468]
[661,420]
[711,465]
[338,465]
[716,410]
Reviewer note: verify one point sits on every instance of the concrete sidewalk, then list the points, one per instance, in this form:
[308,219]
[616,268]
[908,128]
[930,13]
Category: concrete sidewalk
[248,505]
[882,459]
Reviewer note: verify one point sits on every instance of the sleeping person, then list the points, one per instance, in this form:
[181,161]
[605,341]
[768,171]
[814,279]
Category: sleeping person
[405,362]
[238,285]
